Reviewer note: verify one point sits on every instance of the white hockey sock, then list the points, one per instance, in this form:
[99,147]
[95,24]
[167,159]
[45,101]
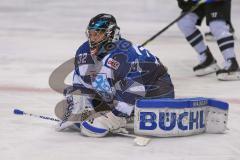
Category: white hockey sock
[188,26]
[196,41]
[224,38]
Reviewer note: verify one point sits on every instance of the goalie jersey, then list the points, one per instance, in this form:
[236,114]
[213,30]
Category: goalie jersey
[120,74]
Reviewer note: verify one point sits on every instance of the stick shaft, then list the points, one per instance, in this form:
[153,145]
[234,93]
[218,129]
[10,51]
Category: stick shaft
[20,112]
[173,22]
[142,141]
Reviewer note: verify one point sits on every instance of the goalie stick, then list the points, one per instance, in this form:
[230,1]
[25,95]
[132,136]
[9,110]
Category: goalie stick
[173,22]
[139,140]
[20,112]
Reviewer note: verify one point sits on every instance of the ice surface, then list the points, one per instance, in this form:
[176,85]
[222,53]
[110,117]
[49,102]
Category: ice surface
[36,36]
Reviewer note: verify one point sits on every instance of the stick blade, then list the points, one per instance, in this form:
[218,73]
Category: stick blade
[141,141]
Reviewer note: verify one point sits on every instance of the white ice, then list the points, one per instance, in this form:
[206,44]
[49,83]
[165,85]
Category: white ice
[36,36]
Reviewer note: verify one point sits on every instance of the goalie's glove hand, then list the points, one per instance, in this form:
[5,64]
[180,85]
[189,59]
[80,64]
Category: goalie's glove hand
[186,5]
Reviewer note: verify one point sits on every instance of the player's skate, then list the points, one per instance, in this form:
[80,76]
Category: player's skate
[208,66]
[230,72]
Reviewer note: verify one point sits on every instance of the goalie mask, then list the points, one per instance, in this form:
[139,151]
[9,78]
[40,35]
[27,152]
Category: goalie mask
[102,29]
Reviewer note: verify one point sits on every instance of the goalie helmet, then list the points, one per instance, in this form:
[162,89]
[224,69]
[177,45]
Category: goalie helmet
[102,29]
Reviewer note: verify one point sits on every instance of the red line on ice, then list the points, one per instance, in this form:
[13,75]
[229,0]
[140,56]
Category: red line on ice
[25,89]
[49,90]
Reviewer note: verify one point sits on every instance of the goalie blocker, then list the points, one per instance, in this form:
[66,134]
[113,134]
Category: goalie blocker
[180,117]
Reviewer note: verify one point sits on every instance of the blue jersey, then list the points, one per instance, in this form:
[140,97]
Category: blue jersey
[120,74]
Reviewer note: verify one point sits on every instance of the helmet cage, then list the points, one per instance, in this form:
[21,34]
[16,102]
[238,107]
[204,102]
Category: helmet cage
[106,24]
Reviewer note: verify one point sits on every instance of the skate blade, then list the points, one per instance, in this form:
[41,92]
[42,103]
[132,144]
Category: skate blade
[232,76]
[208,70]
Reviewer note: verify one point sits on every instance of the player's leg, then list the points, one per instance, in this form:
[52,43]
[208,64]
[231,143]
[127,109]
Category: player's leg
[209,36]
[229,17]
[188,26]
[217,16]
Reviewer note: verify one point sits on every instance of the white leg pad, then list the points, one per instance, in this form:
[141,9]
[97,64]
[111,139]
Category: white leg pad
[101,126]
[216,121]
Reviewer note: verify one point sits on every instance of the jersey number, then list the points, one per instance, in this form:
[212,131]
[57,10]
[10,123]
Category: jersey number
[82,58]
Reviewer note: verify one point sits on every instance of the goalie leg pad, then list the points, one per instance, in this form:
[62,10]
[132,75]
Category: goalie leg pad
[74,109]
[180,117]
[216,119]
[101,126]
[95,129]
[81,104]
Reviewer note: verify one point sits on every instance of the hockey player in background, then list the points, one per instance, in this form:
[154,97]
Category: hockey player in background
[209,35]
[217,14]
[115,73]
